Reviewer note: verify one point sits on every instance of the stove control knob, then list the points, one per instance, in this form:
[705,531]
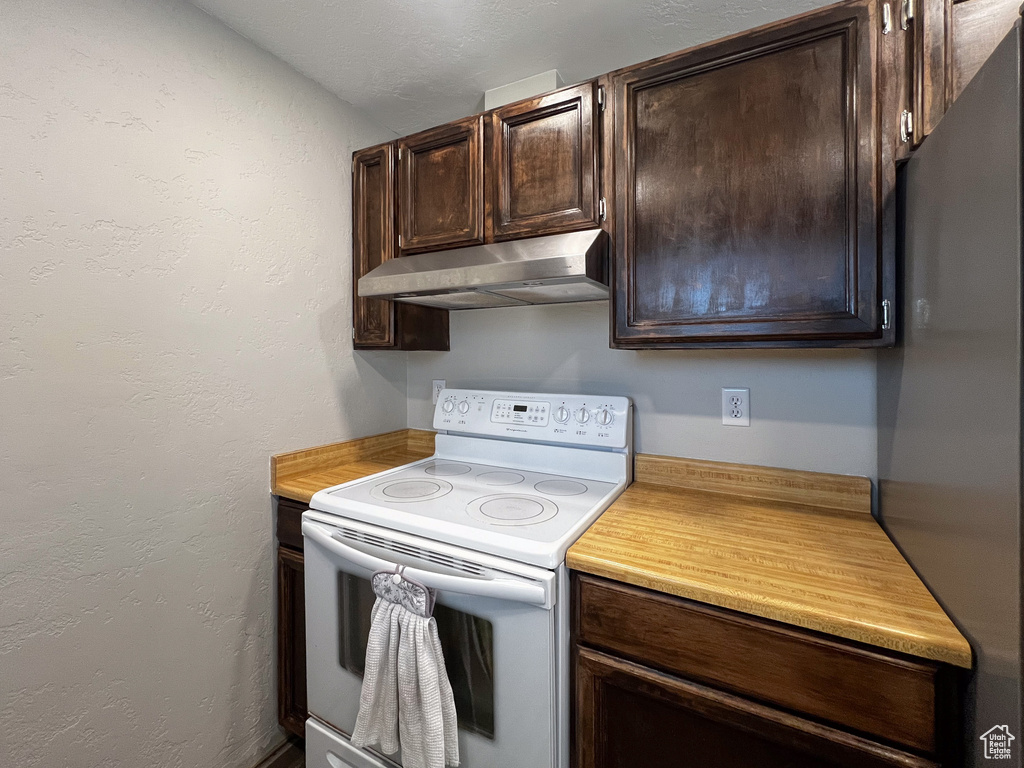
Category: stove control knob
[562,414]
[448,406]
[604,417]
[464,407]
[582,416]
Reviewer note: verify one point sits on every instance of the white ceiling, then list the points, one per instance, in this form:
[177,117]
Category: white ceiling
[413,64]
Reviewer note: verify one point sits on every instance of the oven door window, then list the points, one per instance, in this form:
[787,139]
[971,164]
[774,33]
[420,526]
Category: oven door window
[466,641]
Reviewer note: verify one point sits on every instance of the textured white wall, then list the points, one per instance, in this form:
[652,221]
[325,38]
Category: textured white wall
[174,307]
[812,409]
[451,51]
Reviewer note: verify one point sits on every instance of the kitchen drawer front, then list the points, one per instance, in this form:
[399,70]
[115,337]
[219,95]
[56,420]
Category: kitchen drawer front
[629,715]
[289,522]
[887,696]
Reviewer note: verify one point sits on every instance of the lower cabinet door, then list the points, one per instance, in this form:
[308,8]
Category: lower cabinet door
[291,641]
[628,715]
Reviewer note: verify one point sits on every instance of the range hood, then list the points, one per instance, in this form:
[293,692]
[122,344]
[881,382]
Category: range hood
[553,269]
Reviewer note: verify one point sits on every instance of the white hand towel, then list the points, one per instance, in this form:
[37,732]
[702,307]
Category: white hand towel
[406,698]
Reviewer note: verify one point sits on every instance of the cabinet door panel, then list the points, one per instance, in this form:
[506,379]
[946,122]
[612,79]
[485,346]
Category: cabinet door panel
[543,164]
[748,204]
[978,26]
[441,193]
[373,240]
[291,641]
[930,35]
[952,40]
[627,715]
[376,323]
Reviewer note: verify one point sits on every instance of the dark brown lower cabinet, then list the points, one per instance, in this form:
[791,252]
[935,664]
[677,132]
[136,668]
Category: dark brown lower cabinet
[662,682]
[291,619]
[629,715]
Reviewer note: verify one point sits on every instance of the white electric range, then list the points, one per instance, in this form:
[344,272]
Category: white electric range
[515,479]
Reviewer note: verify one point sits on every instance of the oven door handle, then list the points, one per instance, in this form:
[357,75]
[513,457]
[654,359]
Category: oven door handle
[532,592]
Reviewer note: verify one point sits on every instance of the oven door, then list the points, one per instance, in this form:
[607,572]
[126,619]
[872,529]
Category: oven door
[495,620]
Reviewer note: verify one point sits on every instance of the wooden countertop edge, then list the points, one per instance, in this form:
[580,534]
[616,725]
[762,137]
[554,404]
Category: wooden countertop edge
[956,654]
[292,465]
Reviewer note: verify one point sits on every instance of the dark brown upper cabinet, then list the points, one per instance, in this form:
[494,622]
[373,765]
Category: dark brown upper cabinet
[379,324]
[373,239]
[951,40]
[749,189]
[441,187]
[542,165]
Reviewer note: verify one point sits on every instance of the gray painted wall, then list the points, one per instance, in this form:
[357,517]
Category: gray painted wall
[174,308]
[811,410]
[950,396]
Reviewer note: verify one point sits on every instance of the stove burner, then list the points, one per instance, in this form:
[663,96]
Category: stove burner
[500,478]
[560,487]
[511,509]
[446,469]
[410,490]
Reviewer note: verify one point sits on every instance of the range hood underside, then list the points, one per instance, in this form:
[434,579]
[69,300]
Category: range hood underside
[554,269]
[515,295]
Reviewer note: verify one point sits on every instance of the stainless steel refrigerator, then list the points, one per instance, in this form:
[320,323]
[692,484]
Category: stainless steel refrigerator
[949,396]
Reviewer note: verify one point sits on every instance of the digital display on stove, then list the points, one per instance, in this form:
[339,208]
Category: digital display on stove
[519,408]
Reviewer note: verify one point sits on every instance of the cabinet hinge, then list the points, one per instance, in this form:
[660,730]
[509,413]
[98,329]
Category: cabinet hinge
[906,14]
[600,97]
[886,314]
[886,18]
[906,126]
[399,241]
[602,209]
[399,153]
[353,333]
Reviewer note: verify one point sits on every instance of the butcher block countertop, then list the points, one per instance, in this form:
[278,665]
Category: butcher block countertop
[300,474]
[797,547]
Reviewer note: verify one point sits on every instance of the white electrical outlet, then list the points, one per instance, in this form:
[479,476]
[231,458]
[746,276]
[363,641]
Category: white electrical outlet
[438,386]
[736,407]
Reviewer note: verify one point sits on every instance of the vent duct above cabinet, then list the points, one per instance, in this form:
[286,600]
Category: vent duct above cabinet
[555,269]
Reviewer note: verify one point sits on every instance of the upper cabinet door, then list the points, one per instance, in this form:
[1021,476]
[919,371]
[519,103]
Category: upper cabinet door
[749,189]
[373,240]
[951,42]
[543,165]
[441,187]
